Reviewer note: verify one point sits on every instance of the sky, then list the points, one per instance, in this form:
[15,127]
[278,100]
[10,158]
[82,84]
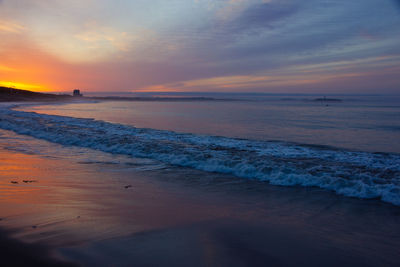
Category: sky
[270,46]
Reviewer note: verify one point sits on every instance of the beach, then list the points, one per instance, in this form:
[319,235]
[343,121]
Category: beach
[227,133]
[86,207]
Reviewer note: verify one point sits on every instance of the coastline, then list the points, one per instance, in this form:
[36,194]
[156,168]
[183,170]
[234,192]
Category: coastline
[18,95]
[350,173]
[95,208]
[228,133]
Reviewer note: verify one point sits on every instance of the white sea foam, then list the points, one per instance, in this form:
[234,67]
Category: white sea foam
[357,174]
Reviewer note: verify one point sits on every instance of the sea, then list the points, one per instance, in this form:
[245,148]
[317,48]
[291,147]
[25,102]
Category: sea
[346,144]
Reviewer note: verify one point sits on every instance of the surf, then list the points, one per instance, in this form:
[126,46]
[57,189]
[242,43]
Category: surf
[349,173]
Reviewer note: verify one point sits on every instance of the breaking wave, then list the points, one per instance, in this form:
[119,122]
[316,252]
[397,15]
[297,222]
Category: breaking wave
[349,173]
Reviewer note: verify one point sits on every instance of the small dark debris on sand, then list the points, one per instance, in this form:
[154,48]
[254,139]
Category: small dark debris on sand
[29,181]
[34,226]
[127,186]
[14,182]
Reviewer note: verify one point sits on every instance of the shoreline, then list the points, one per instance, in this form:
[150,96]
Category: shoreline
[269,163]
[95,208]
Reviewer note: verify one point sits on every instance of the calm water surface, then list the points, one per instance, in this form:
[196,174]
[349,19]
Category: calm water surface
[363,123]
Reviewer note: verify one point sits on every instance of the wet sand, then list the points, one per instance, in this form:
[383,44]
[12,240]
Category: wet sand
[107,214]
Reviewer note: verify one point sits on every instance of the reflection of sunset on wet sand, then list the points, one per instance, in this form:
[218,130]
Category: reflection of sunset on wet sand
[56,205]
[76,201]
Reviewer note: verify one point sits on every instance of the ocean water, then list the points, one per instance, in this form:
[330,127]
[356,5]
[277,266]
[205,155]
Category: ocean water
[350,147]
[364,123]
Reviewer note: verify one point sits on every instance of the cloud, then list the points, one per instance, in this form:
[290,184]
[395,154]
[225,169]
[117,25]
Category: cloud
[100,38]
[188,45]
[263,15]
[311,77]
[10,27]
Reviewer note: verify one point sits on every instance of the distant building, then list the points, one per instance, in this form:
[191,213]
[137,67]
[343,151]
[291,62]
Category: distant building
[77,93]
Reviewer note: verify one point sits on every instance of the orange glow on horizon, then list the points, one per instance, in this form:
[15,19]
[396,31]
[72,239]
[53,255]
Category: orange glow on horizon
[23,86]
[30,69]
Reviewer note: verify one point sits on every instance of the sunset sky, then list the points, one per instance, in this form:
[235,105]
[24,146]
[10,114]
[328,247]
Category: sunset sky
[272,46]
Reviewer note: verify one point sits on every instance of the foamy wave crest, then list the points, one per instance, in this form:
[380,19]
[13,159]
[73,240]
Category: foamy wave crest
[356,174]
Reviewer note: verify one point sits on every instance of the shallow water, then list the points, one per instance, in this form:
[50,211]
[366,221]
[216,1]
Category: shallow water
[346,172]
